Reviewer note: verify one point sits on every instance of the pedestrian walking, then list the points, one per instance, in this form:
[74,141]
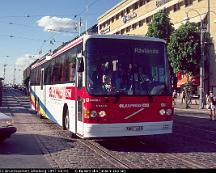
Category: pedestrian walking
[174,95]
[210,104]
[213,107]
[183,96]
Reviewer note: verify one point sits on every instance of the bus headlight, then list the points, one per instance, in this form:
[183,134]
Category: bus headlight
[102,113]
[169,111]
[162,112]
[93,114]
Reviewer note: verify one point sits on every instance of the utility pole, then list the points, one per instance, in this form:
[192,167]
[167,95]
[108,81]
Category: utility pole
[209,9]
[86,27]
[4,70]
[14,76]
[79,26]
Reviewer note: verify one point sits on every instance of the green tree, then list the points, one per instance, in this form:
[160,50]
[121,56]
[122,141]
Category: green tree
[160,27]
[184,49]
[184,53]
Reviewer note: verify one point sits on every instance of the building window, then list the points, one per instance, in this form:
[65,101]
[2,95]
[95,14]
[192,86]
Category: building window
[148,19]
[141,3]
[176,7]
[117,16]
[122,31]
[128,10]
[122,13]
[134,26]
[135,6]
[188,2]
[169,9]
[128,29]
[141,23]
[112,20]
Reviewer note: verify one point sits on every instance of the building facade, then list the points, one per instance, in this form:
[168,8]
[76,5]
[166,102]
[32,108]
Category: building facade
[133,16]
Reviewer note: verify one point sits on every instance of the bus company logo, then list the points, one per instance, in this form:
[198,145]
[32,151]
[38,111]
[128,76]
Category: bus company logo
[146,51]
[143,105]
[60,92]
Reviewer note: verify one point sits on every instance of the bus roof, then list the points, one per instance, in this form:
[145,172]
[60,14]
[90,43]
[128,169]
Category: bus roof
[125,37]
[85,37]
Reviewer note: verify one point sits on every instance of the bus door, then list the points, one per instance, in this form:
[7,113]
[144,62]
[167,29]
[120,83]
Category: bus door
[79,98]
[42,89]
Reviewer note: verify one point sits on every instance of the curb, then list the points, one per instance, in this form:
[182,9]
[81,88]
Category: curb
[192,110]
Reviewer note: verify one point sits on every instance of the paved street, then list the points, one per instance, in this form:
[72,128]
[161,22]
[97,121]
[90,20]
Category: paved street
[40,143]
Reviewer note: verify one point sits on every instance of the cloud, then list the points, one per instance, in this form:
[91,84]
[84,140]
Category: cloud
[57,24]
[24,61]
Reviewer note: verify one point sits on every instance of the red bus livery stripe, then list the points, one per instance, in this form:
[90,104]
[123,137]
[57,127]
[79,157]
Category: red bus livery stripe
[69,46]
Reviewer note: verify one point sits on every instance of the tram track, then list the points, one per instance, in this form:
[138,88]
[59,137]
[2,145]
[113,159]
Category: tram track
[115,159]
[121,160]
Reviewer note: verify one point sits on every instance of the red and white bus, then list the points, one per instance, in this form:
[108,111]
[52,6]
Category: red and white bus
[105,86]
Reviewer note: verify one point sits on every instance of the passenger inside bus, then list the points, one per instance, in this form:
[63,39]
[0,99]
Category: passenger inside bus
[119,80]
[107,78]
[141,81]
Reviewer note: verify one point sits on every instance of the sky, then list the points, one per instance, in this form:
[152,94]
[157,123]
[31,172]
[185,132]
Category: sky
[31,28]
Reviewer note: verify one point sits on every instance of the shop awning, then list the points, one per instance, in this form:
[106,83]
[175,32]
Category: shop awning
[193,80]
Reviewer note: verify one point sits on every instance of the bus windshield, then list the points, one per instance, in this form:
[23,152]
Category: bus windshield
[126,67]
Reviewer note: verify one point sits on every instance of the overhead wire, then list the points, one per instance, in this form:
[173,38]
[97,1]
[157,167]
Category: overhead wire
[75,16]
[51,39]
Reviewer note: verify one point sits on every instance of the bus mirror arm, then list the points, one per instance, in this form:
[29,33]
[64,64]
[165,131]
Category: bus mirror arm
[80,64]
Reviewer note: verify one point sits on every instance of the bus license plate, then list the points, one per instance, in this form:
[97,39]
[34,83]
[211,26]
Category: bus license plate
[134,128]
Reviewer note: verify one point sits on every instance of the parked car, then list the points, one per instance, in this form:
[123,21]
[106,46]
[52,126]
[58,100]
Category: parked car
[6,127]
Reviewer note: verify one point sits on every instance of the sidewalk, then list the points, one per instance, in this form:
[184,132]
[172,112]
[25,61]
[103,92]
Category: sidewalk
[194,107]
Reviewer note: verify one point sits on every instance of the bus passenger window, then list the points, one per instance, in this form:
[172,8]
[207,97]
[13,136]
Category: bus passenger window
[70,72]
[62,72]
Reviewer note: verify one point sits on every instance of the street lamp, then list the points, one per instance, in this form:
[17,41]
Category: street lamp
[201,88]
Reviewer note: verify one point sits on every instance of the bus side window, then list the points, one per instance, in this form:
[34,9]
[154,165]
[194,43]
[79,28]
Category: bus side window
[47,74]
[70,72]
[52,74]
[72,69]
[58,70]
[62,71]
[66,69]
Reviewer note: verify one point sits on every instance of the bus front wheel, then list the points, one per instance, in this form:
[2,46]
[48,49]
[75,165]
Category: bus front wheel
[66,124]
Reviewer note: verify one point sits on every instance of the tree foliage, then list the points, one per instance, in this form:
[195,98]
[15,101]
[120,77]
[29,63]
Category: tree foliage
[184,49]
[160,27]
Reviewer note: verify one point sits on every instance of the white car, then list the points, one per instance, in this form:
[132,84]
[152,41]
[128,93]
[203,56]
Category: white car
[6,127]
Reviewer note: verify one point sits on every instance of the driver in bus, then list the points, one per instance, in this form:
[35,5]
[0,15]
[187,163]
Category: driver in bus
[95,81]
